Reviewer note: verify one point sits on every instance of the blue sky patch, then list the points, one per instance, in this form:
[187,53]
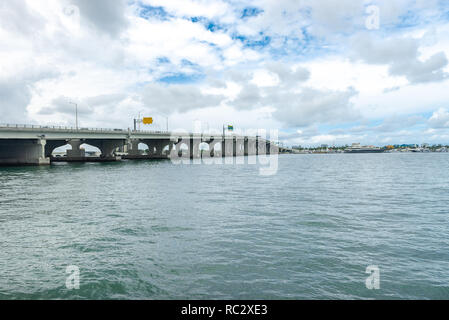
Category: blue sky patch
[162,60]
[208,24]
[148,12]
[250,12]
[254,42]
[181,78]
[188,63]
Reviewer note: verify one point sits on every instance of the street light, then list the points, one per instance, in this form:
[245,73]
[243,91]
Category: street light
[76,113]
[166,120]
[140,119]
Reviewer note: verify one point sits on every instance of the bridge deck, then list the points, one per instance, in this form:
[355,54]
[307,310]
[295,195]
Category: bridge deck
[61,133]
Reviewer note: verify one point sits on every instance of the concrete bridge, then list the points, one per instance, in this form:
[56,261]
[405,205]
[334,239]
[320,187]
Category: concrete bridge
[34,145]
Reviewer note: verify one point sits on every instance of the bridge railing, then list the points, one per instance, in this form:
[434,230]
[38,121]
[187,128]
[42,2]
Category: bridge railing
[67,128]
[47,128]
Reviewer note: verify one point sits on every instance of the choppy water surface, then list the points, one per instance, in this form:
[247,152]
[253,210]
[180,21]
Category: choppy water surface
[155,230]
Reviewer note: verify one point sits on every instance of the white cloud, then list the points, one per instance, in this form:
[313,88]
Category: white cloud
[16,92]
[402,56]
[104,15]
[177,98]
[439,119]
[293,64]
[14,13]
[286,75]
[314,106]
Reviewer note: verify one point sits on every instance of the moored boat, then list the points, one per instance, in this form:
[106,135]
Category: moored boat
[357,148]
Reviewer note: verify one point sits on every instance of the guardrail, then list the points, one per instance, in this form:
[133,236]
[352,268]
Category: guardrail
[66,128]
[32,127]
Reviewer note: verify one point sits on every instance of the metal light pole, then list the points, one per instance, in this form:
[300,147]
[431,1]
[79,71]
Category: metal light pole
[76,114]
[139,119]
[166,119]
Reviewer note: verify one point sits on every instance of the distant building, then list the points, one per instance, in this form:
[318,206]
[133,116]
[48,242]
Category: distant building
[406,146]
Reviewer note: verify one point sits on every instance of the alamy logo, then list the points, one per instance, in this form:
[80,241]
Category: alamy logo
[373,281]
[73,280]
[71,10]
[213,147]
[373,20]
[72,18]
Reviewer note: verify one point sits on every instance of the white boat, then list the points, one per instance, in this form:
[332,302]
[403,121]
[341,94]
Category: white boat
[357,148]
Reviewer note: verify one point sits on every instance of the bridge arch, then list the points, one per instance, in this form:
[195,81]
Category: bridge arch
[142,147]
[183,149]
[90,149]
[108,148]
[204,149]
[77,149]
[52,145]
[215,148]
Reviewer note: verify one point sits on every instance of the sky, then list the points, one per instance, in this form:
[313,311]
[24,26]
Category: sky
[319,71]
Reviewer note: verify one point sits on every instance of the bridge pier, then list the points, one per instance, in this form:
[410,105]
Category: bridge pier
[186,153]
[23,152]
[195,151]
[274,149]
[261,147]
[160,146]
[77,151]
[133,147]
[250,146]
[151,146]
[239,147]
[212,152]
[227,147]
[177,150]
[171,145]
[156,147]
[257,146]
[239,150]
[107,147]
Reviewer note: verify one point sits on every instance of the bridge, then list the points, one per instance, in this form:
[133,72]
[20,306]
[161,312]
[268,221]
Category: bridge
[34,145]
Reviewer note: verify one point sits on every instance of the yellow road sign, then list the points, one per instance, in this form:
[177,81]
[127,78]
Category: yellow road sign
[147,120]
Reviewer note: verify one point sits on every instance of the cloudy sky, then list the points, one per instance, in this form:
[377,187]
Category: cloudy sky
[320,71]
